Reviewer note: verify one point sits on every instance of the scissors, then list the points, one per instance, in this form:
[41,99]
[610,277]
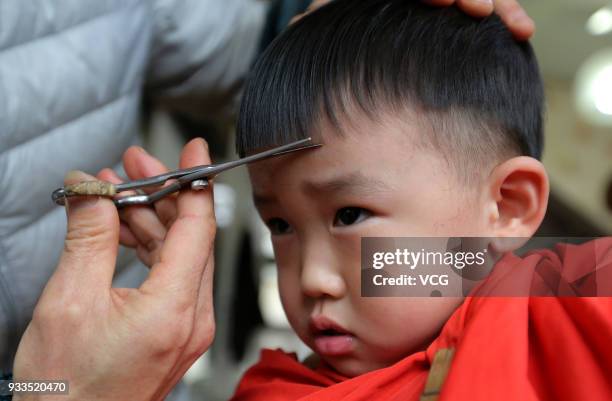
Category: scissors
[194,177]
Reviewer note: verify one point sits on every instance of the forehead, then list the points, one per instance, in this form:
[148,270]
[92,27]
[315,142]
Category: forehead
[361,150]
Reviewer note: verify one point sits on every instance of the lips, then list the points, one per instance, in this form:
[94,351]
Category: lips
[329,337]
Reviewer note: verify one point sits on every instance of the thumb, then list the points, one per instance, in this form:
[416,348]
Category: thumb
[92,237]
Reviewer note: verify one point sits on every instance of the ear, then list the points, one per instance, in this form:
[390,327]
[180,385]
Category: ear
[518,196]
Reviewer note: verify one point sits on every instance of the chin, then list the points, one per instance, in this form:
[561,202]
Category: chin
[351,366]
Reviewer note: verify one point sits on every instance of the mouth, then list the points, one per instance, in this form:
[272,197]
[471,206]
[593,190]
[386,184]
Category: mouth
[330,338]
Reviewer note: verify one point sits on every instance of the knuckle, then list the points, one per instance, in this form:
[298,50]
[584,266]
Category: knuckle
[73,311]
[183,308]
[153,244]
[163,342]
[513,8]
[167,212]
[207,332]
[59,312]
[42,313]
[183,334]
[144,256]
[505,7]
[202,339]
[84,241]
[206,220]
[173,338]
[87,236]
[127,214]
[69,309]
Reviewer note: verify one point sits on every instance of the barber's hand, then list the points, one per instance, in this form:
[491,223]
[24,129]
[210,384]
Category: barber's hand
[510,11]
[121,343]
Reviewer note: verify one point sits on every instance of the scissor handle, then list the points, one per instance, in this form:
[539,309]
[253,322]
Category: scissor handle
[149,199]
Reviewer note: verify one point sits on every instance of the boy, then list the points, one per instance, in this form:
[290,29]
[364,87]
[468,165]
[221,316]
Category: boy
[432,126]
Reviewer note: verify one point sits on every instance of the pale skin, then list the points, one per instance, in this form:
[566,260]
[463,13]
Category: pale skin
[89,333]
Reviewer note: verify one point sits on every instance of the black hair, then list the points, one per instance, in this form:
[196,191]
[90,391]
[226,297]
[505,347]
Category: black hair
[478,88]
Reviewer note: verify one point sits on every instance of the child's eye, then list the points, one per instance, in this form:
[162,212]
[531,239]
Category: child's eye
[278,226]
[350,215]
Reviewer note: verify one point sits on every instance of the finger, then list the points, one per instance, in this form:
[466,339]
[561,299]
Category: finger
[91,244]
[126,237]
[146,227]
[296,18]
[188,244]
[195,203]
[313,6]
[146,257]
[515,18]
[316,4]
[139,164]
[143,224]
[476,8]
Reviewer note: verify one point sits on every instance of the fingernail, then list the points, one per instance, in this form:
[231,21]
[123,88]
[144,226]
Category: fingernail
[487,2]
[142,150]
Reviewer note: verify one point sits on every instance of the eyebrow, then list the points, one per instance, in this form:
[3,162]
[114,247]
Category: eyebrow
[354,183]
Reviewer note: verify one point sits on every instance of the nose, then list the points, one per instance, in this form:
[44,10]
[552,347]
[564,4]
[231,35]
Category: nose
[321,274]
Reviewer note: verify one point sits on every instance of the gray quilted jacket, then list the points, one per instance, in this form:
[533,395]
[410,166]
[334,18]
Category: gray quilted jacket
[72,77]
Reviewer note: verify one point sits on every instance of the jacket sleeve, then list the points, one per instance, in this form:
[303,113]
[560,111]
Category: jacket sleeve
[201,52]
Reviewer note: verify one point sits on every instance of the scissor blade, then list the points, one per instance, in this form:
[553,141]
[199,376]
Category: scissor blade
[213,169]
[314,145]
[278,151]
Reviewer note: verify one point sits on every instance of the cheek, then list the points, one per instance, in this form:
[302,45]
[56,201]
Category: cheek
[288,288]
[348,257]
[462,216]
[291,295]
[400,326]
[284,254]
[447,218]
[459,225]
[440,207]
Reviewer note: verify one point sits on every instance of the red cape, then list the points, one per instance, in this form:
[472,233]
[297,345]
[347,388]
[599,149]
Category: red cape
[506,349]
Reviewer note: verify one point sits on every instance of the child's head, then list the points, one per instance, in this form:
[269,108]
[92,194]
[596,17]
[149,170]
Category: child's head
[432,126]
